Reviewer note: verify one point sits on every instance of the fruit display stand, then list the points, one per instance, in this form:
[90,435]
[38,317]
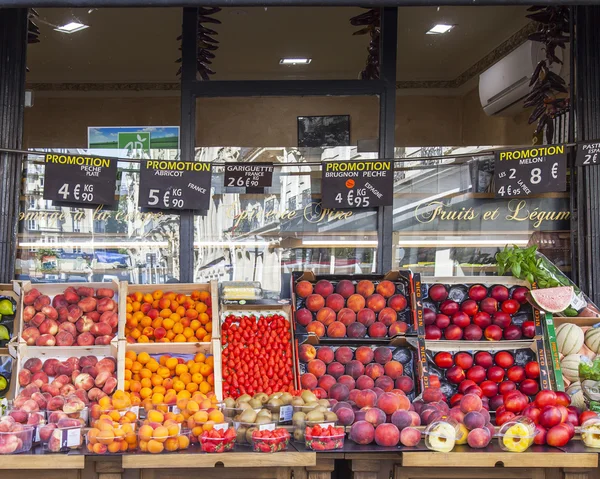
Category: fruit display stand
[8,363]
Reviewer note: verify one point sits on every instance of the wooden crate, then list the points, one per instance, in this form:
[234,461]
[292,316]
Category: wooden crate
[179,288]
[212,348]
[52,289]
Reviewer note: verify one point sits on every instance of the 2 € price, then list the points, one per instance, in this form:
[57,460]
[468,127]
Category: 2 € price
[80,192]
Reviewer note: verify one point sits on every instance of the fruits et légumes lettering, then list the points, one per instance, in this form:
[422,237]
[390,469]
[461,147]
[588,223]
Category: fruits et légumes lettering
[257,355]
[77,317]
[344,309]
[168,317]
[484,314]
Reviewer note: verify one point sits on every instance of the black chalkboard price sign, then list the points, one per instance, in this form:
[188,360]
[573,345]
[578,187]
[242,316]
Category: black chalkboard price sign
[588,153]
[78,179]
[357,184]
[175,185]
[249,175]
[528,171]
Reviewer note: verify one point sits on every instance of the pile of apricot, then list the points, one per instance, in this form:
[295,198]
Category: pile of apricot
[158,433]
[168,317]
[117,407]
[109,436]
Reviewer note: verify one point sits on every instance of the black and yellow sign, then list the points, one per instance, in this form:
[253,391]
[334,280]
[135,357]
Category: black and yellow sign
[357,184]
[249,175]
[175,185]
[527,171]
[78,179]
[588,154]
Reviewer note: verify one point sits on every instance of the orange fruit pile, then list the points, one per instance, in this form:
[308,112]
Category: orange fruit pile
[108,436]
[167,380]
[158,434]
[168,317]
[115,407]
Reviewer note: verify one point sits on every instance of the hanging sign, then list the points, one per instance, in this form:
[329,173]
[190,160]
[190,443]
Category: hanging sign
[249,175]
[175,185]
[588,154]
[528,171]
[81,180]
[357,184]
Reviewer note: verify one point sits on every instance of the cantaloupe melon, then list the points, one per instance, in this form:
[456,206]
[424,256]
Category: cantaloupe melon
[569,338]
[576,394]
[592,339]
[570,367]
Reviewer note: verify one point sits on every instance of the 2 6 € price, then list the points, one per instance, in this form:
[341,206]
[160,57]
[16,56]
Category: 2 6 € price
[242,182]
[80,192]
[170,198]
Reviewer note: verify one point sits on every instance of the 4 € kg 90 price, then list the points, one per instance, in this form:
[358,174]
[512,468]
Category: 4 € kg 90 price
[81,192]
[170,198]
[358,200]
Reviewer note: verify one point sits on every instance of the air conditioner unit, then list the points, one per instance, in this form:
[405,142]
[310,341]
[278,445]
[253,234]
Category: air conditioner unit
[504,85]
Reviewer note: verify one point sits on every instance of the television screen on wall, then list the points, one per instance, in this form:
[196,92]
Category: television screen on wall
[318,131]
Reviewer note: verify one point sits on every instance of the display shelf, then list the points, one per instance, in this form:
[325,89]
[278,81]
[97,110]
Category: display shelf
[41,461]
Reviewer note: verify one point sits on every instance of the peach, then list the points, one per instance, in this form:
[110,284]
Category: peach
[306,352]
[24,377]
[374,370]
[316,328]
[110,386]
[336,330]
[308,381]
[325,354]
[83,396]
[374,415]
[315,302]
[304,289]
[87,304]
[410,436]
[326,316]
[384,382]
[364,382]
[84,381]
[91,370]
[326,381]
[304,316]
[387,435]
[376,302]
[339,392]
[95,394]
[105,304]
[101,329]
[470,402]
[28,313]
[323,288]
[108,317]
[365,288]
[387,316]
[67,389]
[85,339]
[355,302]
[38,319]
[479,438]
[335,301]
[345,288]
[68,327]
[316,367]
[33,364]
[356,330]
[49,366]
[362,432]
[432,394]
[88,361]
[401,419]
[74,313]
[394,369]
[389,403]
[56,416]
[335,369]
[95,315]
[45,340]
[345,415]
[355,369]
[71,295]
[386,289]
[64,370]
[416,418]
[30,297]
[346,316]
[63,314]
[49,326]
[404,383]
[56,403]
[85,291]
[344,355]
[366,316]
[59,301]
[63,338]
[84,324]
[347,381]
[377,330]
[398,302]
[104,293]
[366,398]
[104,340]
[50,312]
[41,301]
[382,355]
[364,354]
[107,364]
[474,420]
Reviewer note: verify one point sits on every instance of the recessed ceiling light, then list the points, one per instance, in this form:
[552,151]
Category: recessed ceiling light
[295,61]
[439,29]
[71,27]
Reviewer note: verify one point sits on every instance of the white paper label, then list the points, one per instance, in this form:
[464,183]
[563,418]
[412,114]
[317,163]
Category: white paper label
[325,425]
[266,427]
[286,413]
[73,437]
[222,426]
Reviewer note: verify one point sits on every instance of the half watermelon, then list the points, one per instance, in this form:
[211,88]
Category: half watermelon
[551,300]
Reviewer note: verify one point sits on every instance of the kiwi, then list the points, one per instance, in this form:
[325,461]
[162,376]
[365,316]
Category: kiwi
[240,435]
[322,409]
[275,402]
[243,406]
[324,402]
[248,438]
[243,398]
[229,402]
[275,395]
[298,418]
[255,403]
[297,401]
[264,419]
[330,416]
[262,397]
[299,434]
[315,416]
[264,413]
[286,398]
[308,396]
[249,415]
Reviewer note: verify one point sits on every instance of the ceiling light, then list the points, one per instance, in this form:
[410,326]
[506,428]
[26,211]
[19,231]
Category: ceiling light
[229,244]
[295,61]
[439,29]
[71,27]
[355,243]
[462,243]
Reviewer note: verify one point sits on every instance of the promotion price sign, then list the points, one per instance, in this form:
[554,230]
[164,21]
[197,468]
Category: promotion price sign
[588,154]
[528,171]
[249,175]
[175,185]
[81,180]
[357,184]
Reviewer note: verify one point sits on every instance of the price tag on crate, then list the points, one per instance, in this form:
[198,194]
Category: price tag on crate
[249,175]
[79,179]
[357,184]
[175,185]
[286,413]
[528,171]
[266,427]
[588,154]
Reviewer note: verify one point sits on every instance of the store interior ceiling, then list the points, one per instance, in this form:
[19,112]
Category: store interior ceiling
[138,45]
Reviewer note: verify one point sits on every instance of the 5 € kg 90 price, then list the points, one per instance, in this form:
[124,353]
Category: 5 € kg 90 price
[361,198]
[81,192]
[170,198]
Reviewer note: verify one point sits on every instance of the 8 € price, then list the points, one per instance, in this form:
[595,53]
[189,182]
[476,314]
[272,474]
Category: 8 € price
[80,192]
[360,199]
[170,198]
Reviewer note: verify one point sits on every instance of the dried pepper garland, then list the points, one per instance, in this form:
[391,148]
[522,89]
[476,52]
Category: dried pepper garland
[545,99]
[205,42]
[371,21]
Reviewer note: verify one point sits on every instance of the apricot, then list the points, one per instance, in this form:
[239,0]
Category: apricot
[326,316]
[355,302]
[105,436]
[155,446]
[160,434]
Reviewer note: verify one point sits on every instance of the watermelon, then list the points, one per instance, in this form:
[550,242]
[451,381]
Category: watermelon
[552,300]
